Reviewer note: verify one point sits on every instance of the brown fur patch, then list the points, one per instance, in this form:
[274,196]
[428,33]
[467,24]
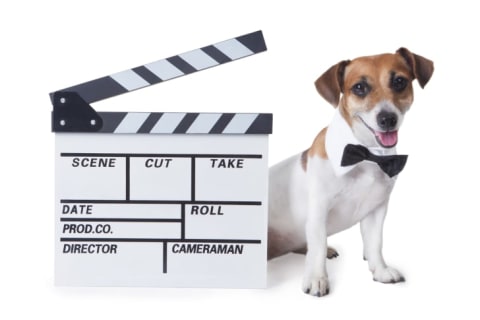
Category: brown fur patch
[376,71]
[318,146]
[344,113]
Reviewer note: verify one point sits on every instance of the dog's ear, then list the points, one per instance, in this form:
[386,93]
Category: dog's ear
[330,84]
[422,68]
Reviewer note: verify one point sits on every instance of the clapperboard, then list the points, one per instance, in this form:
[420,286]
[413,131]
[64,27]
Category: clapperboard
[160,199]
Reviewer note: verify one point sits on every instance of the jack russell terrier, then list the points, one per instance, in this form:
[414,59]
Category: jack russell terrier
[348,173]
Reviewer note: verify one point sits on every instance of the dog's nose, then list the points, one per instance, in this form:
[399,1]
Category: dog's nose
[387,120]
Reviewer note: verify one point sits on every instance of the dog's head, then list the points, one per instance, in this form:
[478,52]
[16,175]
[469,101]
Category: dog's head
[374,93]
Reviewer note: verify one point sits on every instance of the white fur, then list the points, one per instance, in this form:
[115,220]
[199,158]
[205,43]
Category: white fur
[308,206]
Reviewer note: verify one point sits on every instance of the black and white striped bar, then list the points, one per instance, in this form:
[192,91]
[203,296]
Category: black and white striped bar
[170,68]
[186,123]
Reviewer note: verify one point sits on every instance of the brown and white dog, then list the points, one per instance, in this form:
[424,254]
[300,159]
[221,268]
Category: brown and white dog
[313,196]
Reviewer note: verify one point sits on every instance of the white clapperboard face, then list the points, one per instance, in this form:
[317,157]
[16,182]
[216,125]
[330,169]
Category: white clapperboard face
[160,199]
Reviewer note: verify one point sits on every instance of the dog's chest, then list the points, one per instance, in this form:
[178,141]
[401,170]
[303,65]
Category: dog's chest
[357,194]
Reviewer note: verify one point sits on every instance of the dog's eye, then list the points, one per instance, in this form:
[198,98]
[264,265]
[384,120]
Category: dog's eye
[361,89]
[399,84]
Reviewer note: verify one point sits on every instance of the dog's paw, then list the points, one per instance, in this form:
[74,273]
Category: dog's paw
[388,275]
[316,286]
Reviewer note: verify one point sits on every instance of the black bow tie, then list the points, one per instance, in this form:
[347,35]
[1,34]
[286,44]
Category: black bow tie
[391,165]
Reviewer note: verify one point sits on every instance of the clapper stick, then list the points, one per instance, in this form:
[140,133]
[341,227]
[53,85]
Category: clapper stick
[72,111]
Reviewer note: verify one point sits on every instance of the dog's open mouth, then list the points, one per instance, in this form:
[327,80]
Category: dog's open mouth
[387,139]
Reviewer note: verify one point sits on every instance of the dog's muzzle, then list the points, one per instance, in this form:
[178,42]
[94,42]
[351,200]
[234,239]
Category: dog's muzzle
[388,136]
[387,122]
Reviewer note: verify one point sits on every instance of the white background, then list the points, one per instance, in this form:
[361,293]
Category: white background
[431,233]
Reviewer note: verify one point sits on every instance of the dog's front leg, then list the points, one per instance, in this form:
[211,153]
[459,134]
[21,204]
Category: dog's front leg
[372,234]
[315,280]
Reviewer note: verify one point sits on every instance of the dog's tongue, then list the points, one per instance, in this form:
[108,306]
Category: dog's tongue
[388,139]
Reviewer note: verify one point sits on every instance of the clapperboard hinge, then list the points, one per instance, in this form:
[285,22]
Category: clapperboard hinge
[72,111]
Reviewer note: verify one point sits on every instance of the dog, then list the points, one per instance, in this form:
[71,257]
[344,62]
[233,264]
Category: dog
[320,191]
